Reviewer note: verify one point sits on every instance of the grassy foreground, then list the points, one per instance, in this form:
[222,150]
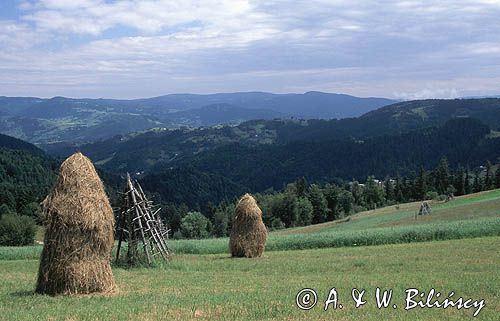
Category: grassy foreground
[215,287]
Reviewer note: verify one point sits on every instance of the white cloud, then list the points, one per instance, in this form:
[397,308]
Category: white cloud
[94,16]
[427,93]
[404,49]
[482,48]
[18,36]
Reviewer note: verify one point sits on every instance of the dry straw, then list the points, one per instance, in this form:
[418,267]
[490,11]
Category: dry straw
[79,233]
[248,233]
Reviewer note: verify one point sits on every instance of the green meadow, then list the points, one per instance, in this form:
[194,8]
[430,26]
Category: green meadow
[456,248]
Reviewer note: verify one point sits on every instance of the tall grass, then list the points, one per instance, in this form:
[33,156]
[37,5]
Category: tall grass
[20,252]
[331,238]
[373,236]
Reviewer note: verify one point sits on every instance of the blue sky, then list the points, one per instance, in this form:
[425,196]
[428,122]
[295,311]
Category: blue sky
[128,49]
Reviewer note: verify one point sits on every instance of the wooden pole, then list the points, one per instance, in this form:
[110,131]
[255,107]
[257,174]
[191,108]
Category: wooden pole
[138,217]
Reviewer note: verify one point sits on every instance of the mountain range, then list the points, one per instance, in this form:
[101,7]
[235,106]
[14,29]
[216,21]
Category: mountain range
[143,152]
[60,119]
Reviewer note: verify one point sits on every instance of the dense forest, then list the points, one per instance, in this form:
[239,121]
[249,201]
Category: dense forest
[235,168]
[211,180]
[26,175]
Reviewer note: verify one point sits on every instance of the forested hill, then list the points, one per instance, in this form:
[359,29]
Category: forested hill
[20,145]
[144,152]
[413,114]
[464,142]
[26,175]
[395,119]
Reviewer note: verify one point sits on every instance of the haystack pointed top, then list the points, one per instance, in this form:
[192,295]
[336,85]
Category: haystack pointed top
[248,205]
[79,196]
[78,165]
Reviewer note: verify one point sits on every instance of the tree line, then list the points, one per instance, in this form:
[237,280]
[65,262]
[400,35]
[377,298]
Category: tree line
[301,204]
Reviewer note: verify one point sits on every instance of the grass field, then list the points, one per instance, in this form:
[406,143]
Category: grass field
[215,287]
[466,260]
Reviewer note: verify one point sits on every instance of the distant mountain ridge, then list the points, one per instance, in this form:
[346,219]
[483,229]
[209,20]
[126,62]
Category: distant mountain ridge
[60,119]
[163,148]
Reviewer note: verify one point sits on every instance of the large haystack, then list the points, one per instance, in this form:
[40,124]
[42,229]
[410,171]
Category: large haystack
[79,233]
[248,233]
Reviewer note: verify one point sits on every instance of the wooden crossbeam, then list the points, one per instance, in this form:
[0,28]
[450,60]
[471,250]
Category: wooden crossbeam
[138,222]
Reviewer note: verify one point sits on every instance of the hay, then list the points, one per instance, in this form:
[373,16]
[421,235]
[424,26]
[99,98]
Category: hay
[248,233]
[79,233]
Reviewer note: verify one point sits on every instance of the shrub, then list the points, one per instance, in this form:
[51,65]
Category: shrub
[277,224]
[5,209]
[441,198]
[17,230]
[177,235]
[195,226]
[358,208]
[431,195]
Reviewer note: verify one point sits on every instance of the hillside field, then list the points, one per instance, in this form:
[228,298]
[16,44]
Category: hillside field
[453,249]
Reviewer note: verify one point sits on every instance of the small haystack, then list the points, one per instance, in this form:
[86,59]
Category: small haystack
[248,233]
[79,233]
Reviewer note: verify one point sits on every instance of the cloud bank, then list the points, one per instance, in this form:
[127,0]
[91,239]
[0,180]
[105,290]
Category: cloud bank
[399,49]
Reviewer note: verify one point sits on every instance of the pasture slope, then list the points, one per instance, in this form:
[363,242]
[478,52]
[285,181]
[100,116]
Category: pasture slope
[466,217]
[216,287]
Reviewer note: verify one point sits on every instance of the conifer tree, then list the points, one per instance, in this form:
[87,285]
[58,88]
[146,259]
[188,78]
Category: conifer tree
[442,176]
[497,177]
[319,204]
[488,179]
[389,189]
[372,193]
[460,181]
[421,184]
[468,187]
[398,190]
[301,187]
[477,186]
